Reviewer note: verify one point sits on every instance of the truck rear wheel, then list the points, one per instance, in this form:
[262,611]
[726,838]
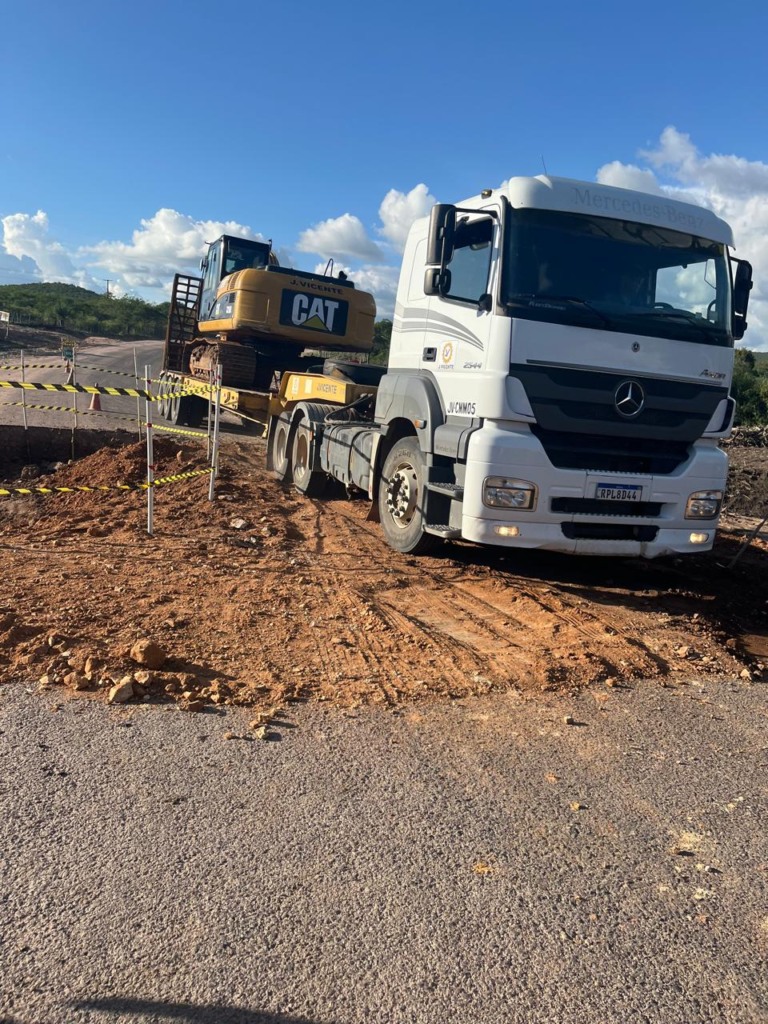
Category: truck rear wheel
[280,447]
[401,499]
[306,478]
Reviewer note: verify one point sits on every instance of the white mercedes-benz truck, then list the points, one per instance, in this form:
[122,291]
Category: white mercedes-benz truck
[558,378]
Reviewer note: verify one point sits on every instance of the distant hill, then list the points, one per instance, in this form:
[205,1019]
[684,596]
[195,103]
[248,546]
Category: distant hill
[68,307]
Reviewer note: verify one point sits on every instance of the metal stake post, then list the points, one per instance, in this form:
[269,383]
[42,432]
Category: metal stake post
[23,394]
[210,413]
[215,449]
[74,398]
[138,400]
[150,455]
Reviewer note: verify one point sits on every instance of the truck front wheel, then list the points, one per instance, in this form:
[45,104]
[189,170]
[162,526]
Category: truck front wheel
[401,499]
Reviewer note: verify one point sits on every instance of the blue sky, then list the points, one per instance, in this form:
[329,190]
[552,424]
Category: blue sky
[297,120]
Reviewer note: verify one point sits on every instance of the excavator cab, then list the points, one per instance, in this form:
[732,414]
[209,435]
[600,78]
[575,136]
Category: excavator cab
[226,256]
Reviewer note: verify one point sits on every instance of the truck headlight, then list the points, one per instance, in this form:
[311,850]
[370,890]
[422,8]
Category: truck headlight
[499,492]
[703,504]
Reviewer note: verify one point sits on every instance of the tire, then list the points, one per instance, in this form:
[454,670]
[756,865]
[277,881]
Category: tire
[174,406]
[306,479]
[401,499]
[192,409]
[280,447]
[162,388]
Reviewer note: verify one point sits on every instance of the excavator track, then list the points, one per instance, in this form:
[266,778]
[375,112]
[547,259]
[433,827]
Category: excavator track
[238,362]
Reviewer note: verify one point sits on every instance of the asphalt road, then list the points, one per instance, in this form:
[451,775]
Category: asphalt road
[480,861]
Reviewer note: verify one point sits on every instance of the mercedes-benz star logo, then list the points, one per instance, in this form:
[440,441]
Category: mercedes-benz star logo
[629,398]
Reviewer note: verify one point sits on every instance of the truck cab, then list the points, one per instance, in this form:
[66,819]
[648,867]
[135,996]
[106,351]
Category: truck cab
[565,351]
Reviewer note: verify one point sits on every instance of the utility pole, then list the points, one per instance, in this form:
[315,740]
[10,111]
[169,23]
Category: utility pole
[108,281]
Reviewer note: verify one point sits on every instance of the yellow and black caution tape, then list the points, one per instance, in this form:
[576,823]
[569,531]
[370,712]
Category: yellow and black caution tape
[104,369]
[34,366]
[92,389]
[177,430]
[172,394]
[107,487]
[69,408]
[78,389]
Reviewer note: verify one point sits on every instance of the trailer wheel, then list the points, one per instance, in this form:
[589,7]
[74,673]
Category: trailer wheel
[401,499]
[162,403]
[280,447]
[306,478]
[173,407]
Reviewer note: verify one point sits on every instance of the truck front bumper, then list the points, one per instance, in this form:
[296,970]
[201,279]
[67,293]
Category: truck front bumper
[499,450]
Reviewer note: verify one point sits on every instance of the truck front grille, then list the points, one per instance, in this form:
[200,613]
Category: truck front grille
[599,507]
[603,453]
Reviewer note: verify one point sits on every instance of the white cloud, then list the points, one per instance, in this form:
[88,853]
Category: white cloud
[342,238]
[25,237]
[346,240]
[734,188]
[399,210]
[166,243]
[381,281]
[17,270]
[628,176]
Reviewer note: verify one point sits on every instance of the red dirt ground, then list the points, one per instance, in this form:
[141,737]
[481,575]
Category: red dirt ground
[264,596]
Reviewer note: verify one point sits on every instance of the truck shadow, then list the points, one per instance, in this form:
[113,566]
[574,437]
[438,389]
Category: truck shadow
[188,1013]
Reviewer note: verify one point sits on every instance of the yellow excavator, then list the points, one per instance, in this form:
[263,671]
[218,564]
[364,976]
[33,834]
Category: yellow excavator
[256,318]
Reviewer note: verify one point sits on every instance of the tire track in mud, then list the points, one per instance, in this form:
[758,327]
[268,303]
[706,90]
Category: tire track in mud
[515,637]
[603,639]
[463,627]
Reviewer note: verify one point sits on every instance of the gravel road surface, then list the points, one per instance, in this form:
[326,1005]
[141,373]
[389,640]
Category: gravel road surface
[480,862]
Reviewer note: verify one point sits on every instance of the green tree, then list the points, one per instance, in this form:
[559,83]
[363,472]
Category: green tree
[750,389]
[78,309]
[382,334]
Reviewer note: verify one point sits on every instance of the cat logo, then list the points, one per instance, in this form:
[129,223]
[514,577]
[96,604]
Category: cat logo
[313,312]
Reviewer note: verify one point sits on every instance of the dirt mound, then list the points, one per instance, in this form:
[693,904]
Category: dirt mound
[264,596]
[747,493]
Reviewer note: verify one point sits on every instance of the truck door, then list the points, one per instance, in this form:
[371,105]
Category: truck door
[459,319]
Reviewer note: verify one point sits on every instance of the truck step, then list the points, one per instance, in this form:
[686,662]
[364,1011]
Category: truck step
[455,491]
[443,530]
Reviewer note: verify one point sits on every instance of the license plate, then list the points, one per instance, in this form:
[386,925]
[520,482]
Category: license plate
[618,492]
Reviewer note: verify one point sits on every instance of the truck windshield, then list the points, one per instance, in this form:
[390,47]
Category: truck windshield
[616,275]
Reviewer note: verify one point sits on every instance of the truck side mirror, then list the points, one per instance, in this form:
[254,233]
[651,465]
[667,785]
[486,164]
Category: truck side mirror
[437,281]
[742,286]
[204,264]
[442,228]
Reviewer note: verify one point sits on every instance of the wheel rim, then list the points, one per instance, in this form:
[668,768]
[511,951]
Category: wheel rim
[301,455]
[402,495]
[281,445]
